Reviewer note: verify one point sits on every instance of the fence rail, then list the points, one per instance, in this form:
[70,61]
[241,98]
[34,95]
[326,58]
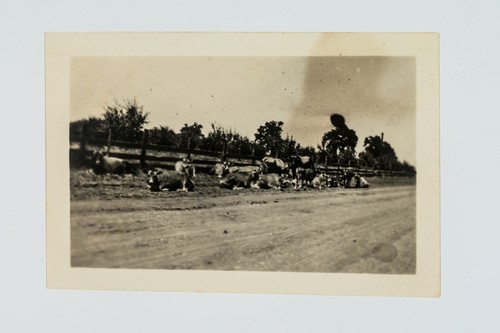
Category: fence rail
[163,156]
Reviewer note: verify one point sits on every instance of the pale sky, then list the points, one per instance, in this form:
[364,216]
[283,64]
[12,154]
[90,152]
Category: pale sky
[374,94]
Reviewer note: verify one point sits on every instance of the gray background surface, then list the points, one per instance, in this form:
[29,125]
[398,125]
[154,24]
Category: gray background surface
[469,156]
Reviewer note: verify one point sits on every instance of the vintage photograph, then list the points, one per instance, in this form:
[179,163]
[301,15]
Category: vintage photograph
[299,164]
[223,154]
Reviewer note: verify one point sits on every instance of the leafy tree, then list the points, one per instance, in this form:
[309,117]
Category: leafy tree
[322,155]
[240,145]
[219,136]
[126,120]
[379,153]
[347,156]
[307,151]
[91,127]
[163,135]
[269,136]
[190,136]
[406,167]
[288,147]
[339,145]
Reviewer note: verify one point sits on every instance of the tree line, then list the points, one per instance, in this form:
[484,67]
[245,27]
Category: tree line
[125,122]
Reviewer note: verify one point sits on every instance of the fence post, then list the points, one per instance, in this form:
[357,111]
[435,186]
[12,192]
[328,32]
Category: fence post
[253,153]
[143,149]
[223,154]
[188,147]
[83,139]
[109,142]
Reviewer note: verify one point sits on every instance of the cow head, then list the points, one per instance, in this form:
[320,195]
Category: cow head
[98,162]
[153,181]
[286,182]
[253,177]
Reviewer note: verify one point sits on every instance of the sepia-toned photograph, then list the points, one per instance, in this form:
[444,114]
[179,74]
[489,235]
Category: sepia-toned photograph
[247,163]
[244,163]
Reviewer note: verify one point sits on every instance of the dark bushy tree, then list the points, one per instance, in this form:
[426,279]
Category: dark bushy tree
[307,151]
[163,135]
[219,136]
[190,135]
[288,147]
[91,127]
[126,120]
[406,167]
[240,145]
[268,136]
[339,145]
[379,153]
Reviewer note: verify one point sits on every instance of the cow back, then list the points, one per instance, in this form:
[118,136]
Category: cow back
[273,165]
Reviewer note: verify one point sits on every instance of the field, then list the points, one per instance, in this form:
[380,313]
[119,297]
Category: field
[117,222]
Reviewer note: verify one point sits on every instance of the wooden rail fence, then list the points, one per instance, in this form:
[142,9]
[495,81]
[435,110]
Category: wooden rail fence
[165,157]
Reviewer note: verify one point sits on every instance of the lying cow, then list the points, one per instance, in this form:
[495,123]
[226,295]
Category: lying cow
[360,182]
[320,181]
[101,164]
[348,175]
[237,180]
[332,181]
[163,180]
[267,181]
[185,167]
[220,169]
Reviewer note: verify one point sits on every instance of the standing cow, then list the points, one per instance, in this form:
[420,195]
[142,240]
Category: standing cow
[302,170]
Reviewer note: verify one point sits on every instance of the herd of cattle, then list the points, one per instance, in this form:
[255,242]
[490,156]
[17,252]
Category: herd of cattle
[270,173]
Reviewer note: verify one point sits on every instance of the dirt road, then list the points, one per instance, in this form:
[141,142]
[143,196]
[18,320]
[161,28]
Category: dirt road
[335,230]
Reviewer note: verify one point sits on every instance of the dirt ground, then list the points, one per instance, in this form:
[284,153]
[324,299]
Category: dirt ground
[117,222]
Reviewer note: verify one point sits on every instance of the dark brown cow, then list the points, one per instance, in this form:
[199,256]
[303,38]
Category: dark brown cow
[166,180]
[348,175]
[302,170]
[332,181]
[304,177]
